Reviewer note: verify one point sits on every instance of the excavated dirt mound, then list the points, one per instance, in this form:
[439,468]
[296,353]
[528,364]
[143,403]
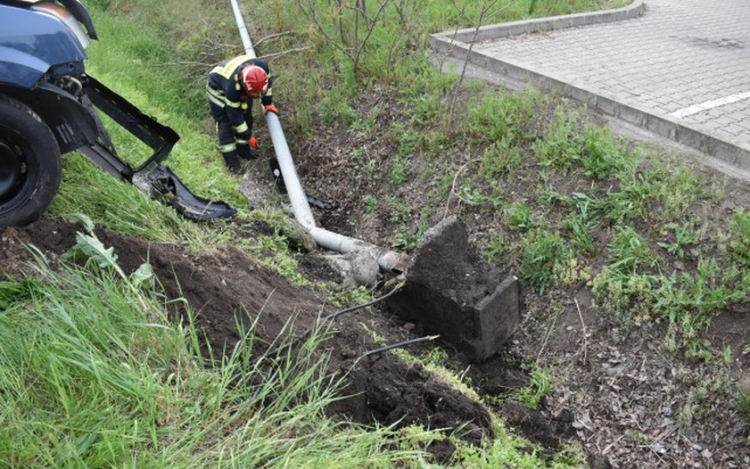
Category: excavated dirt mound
[226,286]
[634,403]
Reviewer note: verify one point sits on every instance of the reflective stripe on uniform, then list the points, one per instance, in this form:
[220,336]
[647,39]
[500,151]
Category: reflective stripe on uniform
[215,97]
[228,68]
[218,98]
[242,128]
[227,148]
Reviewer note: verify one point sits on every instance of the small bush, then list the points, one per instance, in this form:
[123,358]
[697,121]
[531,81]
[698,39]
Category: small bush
[562,145]
[520,216]
[603,156]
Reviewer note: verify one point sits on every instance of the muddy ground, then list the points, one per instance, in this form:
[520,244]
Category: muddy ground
[226,286]
[617,392]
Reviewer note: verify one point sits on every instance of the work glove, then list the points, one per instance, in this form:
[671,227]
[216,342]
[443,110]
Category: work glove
[270,108]
[254,143]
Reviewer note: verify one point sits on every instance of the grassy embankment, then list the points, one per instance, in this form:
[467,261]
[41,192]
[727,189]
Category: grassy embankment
[94,375]
[90,385]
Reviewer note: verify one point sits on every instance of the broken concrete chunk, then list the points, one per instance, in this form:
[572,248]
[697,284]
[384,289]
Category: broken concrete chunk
[453,292]
[356,268]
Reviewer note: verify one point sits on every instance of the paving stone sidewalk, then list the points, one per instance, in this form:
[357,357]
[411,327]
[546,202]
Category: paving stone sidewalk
[681,69]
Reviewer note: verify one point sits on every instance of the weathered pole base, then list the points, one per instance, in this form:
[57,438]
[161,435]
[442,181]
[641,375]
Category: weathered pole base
[453,292]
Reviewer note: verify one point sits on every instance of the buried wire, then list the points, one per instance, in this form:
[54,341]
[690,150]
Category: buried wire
[399,345]
[275,354]
[282,348]
[364,305]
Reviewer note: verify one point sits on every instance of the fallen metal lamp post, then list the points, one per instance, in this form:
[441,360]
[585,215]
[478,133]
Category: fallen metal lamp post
[446,288]
[387,260]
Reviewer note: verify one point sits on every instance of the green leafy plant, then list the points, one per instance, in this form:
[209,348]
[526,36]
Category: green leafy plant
[562,144]
[89,247]
[580,235]
[603,156]
[502,118]
[436,356]
[520,216]
[740,244]
[408,237]
[500,158]
[399,172]
[684,236]
[495,247]
[543,250]
[630,252]
[540,386]
[371,203]
[471,195]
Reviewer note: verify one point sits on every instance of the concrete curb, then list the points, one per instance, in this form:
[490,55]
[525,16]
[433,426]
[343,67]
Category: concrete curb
[452,44]
[517,28]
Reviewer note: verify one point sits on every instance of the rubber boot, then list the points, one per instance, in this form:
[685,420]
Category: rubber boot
[232,162]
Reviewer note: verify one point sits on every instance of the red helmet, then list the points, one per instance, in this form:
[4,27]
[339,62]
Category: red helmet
[254,79]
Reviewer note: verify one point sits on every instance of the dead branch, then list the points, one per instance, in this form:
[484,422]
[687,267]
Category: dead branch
[585,338]
[453,187]
[371,28]
[483,13]
[314,17]
[546,339]
[278,55]
[274,36]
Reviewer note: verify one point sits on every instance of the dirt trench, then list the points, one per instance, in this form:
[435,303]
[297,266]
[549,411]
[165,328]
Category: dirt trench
[226,285]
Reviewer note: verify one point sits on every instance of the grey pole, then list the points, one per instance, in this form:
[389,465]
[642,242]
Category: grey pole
[387,260]
[246,42]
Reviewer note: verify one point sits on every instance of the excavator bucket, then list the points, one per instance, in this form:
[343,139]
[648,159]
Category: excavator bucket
[151,177]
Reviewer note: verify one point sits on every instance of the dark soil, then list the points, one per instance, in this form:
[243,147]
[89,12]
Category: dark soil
[633,403]
[617,392]
[226,286]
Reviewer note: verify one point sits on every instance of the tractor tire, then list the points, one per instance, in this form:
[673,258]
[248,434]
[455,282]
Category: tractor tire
[30,167]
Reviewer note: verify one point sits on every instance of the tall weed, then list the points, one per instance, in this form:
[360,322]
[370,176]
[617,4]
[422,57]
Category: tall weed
[91,378]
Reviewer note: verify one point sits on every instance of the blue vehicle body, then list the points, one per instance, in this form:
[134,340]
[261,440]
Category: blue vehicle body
[48,107]
[33,44]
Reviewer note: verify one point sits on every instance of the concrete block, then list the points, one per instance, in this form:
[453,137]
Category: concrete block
[691,138]
[451,291]
[661,126]
[606,105]
[632,115]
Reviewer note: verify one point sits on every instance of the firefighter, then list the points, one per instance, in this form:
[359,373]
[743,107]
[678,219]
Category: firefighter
[232,87]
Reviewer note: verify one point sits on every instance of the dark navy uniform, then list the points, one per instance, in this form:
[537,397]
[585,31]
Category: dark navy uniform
[231,105]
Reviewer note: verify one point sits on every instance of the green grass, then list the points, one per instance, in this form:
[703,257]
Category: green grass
[540,386]
[93,376]
[740,244]
[115,384]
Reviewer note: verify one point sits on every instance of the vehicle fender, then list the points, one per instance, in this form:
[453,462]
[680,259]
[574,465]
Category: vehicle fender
[34,43]
[70,121]
[20,68]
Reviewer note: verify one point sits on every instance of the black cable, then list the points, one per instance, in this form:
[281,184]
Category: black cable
[400,344]
[364,305]
[331,316]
